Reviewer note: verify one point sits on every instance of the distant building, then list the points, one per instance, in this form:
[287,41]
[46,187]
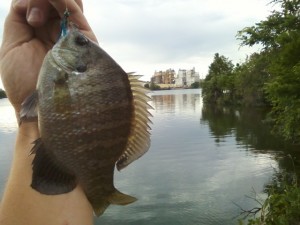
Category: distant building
[168,78]
[164,77]
[186,77]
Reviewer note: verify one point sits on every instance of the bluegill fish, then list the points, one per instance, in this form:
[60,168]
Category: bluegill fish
[92,117]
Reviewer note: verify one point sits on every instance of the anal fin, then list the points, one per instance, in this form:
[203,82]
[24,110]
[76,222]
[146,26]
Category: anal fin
[116,198]
[49,176]
[119,198]
[99,210]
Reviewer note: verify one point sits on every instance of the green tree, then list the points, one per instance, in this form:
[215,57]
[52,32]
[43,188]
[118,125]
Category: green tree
[154,86]
[2,94]
[147,85]
[195,85]
[279,35]
[250,79]
[218,84]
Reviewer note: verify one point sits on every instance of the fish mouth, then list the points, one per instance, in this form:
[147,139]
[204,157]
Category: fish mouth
[62,58]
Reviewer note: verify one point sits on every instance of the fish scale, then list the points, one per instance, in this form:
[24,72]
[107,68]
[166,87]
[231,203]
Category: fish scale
[90,120]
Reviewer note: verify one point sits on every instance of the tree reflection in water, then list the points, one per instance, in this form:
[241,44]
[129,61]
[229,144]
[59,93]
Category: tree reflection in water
[251,131]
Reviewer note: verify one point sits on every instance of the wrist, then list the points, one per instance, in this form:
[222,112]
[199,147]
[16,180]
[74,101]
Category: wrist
[28,131]
[21,169]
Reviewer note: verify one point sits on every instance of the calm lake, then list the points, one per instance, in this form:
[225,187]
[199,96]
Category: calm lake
[202,161]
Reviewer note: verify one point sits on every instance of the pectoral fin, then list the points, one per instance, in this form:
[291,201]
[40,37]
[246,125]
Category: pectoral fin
[29,108]
[62,96]
[49,176]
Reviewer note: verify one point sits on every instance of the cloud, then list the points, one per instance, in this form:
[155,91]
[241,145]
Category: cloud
[149,35]
[172,32]
[4,6]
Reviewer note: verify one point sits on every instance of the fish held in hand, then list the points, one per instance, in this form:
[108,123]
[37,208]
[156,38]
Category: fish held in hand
[92,117]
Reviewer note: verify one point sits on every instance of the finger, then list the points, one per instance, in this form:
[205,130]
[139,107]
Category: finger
[79,3]
[38,12]
[19,6]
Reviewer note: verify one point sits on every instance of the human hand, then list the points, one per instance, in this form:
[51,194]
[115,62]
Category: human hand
[30,30]
[26,40]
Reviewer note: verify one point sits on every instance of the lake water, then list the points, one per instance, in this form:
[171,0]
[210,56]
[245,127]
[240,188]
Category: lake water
[202,160]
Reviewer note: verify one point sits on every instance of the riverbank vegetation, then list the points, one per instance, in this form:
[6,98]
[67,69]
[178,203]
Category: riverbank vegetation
[282,205]
[195,85]
[281,198]
[152,86]
[269,78]
[155,87]
[2,94]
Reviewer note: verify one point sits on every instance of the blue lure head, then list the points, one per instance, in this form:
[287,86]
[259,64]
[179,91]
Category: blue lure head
[64,24]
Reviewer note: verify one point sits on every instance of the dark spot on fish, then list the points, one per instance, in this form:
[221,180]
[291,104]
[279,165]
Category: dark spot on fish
[81,68]
[81,40]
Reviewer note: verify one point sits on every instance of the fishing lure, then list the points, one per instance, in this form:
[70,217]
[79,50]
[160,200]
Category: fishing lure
[64,24]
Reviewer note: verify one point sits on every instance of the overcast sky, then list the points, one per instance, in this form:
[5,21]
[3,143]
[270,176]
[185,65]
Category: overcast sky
[148,35]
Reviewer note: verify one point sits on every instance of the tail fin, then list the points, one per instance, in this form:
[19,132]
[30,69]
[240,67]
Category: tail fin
[116,198]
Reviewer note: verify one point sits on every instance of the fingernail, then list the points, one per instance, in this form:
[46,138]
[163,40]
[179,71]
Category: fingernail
[35,16]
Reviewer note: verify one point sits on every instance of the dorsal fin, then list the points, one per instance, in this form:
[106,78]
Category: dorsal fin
[139,139]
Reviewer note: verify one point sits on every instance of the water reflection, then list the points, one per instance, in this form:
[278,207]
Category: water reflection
[180,101]
[186,178]
[8,127]
[250,131]
[193,170]
[8,123]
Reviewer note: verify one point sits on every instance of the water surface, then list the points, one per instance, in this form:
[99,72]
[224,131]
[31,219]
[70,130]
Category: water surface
[201,160]
[8,128]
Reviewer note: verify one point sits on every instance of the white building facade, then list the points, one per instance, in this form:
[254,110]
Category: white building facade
[185,78]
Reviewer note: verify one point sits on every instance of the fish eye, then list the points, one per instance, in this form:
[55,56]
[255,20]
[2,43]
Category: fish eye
[81,40]
[81,68]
